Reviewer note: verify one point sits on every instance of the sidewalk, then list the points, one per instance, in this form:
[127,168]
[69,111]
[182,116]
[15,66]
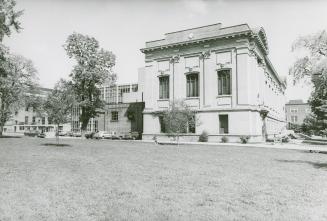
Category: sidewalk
[288,146]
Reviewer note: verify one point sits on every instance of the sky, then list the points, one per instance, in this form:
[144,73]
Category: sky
[124,26]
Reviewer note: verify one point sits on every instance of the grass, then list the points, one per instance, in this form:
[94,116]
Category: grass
[117,180]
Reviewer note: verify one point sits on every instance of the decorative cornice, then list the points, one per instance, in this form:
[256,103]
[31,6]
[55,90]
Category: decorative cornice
[174,59]
[197,41]
[205,54]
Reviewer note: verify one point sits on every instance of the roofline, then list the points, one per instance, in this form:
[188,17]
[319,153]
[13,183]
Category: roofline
[297,104]
[232,26]
[193,28]
[196,41]
[274,71]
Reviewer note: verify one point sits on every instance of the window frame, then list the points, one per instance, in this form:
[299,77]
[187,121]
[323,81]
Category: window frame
[226,130]
[114,116]
[163,79]
[195,93]
[220,86]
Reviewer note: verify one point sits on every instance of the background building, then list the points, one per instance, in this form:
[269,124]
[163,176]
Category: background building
[122,112]
[296,111]
[223,73]
[28,119]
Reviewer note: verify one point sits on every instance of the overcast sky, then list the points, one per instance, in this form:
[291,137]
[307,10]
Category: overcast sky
[123,27]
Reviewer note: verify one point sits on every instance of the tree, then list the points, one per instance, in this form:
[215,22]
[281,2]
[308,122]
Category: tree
[93,68]
[178,119]
[8,18]
[17,78]
[59,103]
[313,66]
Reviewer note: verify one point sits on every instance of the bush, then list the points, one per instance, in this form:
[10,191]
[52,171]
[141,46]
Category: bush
[244,139]
[285,139]
[203,136]
[224,139]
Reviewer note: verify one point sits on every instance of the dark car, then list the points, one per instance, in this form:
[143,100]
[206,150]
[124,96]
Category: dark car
[41,135]
[31,133]
[89,135]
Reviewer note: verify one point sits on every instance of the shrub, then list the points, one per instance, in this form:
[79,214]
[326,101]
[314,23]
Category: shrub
[244,139]
[203,136]
[224,139]
[285,139]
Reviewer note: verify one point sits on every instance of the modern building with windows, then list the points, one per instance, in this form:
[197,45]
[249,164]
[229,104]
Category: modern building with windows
[122,112]
[223,73]
[296,112]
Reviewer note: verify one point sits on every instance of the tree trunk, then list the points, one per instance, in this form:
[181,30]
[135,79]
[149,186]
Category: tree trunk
[57,135]
[1,129]
[85,121]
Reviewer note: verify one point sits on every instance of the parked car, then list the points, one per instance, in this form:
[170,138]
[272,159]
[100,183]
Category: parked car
[31,133]
[69,133]
[77,134]
[135,135]
[107,135]
[131,136]
[99,134]
[63,133]
[89,135]
[116,136]
[41,135]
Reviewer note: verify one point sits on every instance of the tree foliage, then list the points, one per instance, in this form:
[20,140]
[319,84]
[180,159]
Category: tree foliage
[178,118]
[313,65]
[17,79]
[59,103]
[8,18]
[93,68]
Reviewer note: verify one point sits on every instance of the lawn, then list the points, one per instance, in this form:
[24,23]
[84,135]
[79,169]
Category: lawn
[117,180]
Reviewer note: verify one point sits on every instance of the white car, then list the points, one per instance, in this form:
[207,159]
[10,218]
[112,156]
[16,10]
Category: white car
[99,134]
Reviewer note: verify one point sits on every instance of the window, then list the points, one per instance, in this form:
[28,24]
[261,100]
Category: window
[124,89]
[162,125]
[134,87]
[33,120]
[164,87]
[192,85]
[26,108]
[224,82]
[223,124]
[43,120]
[294,119]
[26,119]
[294,110]
[114,116]
[111,94]
[191,125]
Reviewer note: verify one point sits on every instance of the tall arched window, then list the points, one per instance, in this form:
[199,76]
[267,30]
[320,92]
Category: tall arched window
[224,82]
[192,85]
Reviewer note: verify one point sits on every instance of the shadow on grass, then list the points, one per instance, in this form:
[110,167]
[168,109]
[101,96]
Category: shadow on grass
[316,165]
[10,136]
[56,145]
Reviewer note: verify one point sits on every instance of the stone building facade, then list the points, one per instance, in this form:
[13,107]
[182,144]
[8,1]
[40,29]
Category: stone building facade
[122,112]
[223,73]
[296,111]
